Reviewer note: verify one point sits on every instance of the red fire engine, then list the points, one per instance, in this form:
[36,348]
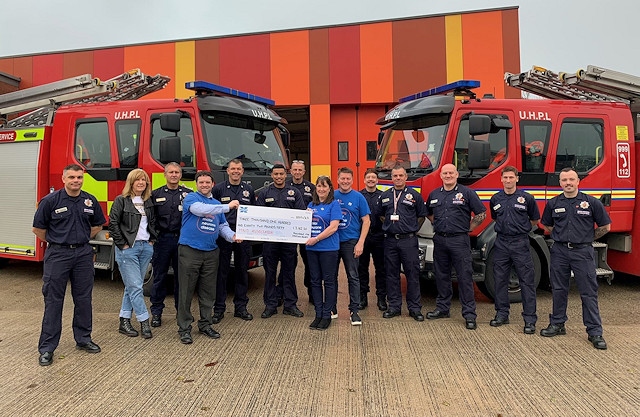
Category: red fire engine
[102,127]
[588,124]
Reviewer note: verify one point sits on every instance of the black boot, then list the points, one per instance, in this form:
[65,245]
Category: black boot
[145,328]
[363,301]
[126,328]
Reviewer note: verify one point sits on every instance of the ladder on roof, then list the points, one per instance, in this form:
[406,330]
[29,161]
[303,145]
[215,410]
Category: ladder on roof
[593,84]
[43,100]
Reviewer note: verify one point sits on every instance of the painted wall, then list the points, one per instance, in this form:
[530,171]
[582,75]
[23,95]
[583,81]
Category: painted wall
[348,75]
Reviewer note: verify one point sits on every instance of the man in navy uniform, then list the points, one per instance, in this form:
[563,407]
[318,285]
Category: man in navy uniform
[514,212]
[306,188]
[402,211]
[167,202]
[67,219]
[233,189]
[570,218]
[373,246]
[280,195]
[449,208]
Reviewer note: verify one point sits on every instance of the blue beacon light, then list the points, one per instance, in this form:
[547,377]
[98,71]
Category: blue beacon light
[462,86]
[207,87]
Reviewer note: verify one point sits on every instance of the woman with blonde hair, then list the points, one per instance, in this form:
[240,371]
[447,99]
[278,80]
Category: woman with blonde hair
[132,225]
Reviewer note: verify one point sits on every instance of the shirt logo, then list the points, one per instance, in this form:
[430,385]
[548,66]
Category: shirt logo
[244,209]
[458,197]
[520,200]
[88,202]
[307,188]
[408,197]
[584,204]
[245,193]
[291,192]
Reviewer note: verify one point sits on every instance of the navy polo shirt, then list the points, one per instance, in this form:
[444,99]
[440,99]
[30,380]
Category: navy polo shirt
[306,189]
[285,197]
[513,212]
[225,192]
[452,209]
[407,204]
[572,219]
[372,200]
[168,206]
[68,220]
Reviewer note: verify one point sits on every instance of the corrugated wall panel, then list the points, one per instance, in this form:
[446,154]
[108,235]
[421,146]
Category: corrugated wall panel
[153,59]
[290,67]
[511,48]
[77,63]
[23,68]
[207,59]
[376,63]
[319,66]
[6,65]
[482,62]
[107,63]
[47,68]
[455,61]
[244,64]
[320,134]
[185,67]
[344,64]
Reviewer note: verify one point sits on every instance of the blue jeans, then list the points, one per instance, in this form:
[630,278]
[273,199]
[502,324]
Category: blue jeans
[133,263]
[351,268]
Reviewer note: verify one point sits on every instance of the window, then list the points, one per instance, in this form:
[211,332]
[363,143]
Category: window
[580,145]
[187,156]
[372,150]
[534,136]
[497,142]
[128,138]
[343,151]
[92,144]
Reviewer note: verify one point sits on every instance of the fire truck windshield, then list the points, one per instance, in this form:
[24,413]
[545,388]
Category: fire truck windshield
[414,149]
[229,137]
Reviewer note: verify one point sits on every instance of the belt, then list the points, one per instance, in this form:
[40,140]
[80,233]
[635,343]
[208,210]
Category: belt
[451,234]
[574,245]
[399,235]
[74,246]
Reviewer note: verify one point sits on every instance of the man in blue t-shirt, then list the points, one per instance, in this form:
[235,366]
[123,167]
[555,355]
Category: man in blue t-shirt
[353,230]
[202,221]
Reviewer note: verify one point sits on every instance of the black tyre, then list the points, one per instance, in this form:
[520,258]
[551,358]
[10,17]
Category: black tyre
[515,295]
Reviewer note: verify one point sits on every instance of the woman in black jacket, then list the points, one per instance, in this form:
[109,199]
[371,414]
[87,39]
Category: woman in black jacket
[132,225]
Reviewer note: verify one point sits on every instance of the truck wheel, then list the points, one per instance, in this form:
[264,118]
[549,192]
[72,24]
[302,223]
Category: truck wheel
[515,295]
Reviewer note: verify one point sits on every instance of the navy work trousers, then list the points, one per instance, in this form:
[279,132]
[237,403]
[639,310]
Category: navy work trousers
[241,253]
[373,249]
[285,254]
[402,252]
[165,254]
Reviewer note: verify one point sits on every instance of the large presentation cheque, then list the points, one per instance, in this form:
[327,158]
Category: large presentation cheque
[271,224]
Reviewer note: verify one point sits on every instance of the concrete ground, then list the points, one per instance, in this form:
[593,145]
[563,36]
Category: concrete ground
[279,367]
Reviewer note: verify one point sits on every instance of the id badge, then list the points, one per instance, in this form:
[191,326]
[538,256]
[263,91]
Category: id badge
[394,217]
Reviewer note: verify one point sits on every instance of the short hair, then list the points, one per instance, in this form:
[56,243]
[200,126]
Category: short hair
[370,171]
[324,180]
[72,167]
[345,170]
[133,176]
[398,167]
[509,168]
[567,169]
[172,164]
[203,173]
[278,166]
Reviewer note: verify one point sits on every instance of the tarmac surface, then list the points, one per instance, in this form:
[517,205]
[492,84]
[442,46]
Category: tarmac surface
[279,367]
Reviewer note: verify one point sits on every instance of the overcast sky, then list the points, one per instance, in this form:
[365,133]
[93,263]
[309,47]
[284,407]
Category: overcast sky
[561,35]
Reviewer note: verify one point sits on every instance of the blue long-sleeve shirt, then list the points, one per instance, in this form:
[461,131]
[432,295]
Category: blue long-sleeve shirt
[202,221]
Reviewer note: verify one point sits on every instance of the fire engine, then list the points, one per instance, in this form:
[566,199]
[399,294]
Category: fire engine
[585,120]
[101,126]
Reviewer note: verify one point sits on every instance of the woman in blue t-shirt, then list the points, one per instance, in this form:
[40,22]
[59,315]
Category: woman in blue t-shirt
[322,251]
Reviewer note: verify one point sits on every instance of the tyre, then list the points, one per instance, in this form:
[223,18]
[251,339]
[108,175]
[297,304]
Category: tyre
[515,295]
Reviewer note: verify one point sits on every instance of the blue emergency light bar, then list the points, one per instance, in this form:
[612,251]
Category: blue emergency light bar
[462,86]
[206,87]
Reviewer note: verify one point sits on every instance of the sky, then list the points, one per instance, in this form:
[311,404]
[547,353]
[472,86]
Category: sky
[560,35]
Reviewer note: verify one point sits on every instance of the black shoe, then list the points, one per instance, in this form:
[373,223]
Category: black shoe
[217,318]
[293,311]
[363,302]
[471,325]
[126,328]
[417,315]
[597,341]
[324,324]
[437,314]
[156,320]
[145,329]
[89,347]
[390,314]
[268,312]
[244,315]
[499,321]
[553,330]
[382,304]
[185,338]
[209,332]
[529,328]
[314,324]
[45,359]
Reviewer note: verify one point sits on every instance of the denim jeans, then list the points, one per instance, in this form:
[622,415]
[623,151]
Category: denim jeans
[133,263]
[351,268]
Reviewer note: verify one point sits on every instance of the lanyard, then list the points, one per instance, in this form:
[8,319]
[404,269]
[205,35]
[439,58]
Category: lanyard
[396,199]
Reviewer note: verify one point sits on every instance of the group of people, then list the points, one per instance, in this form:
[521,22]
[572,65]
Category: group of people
[194,232]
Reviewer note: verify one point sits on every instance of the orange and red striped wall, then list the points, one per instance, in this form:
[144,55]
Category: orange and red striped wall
[347,75]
